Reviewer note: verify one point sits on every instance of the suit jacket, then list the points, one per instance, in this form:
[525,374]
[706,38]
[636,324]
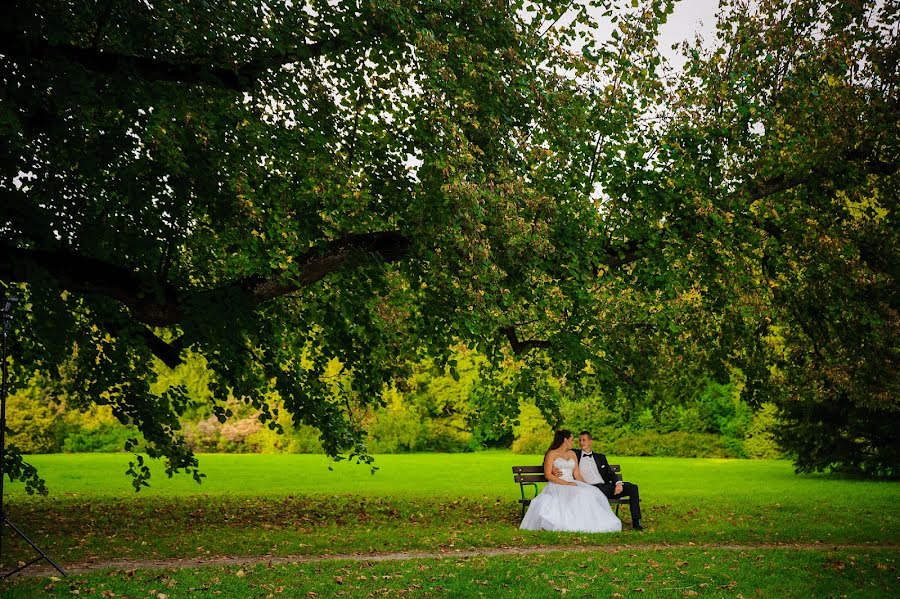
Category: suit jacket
[602,467]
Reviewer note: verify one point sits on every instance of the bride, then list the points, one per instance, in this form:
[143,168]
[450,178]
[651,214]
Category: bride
[567,503]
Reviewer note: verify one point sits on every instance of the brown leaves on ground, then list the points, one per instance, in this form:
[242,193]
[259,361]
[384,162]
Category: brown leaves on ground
[122,517]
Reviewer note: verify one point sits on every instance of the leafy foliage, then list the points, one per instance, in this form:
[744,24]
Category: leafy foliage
[805,97]
[366,184]
[434,412]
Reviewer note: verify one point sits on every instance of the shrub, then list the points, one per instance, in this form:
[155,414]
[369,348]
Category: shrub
[590,414]
[446,435]
[760,442]
[107,437]
[299,438]
[532,434]
[532,443]
[202,436]
[33,418]
[234,433]
[96,430]
[396,428]
[674,444]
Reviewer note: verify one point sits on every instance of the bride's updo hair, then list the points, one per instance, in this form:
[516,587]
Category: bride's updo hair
[559,437]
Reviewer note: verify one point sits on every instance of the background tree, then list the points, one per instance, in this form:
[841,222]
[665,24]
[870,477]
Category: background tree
[790,131]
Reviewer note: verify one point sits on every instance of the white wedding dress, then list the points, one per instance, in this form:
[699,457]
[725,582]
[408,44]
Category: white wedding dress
[582,508]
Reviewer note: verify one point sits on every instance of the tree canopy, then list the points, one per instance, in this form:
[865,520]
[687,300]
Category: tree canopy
[277,186]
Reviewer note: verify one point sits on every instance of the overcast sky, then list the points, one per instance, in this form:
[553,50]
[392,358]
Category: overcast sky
[690,16]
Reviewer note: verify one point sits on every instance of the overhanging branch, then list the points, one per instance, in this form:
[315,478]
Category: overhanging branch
[161,304]
[187,70]
[91,276]
[169,353]
[390,246]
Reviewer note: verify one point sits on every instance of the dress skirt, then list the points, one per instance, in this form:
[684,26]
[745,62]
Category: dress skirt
[582,508]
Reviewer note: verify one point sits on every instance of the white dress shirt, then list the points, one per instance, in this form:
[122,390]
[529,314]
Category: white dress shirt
[589,471]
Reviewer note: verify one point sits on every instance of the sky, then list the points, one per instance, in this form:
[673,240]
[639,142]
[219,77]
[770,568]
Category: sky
[690,17]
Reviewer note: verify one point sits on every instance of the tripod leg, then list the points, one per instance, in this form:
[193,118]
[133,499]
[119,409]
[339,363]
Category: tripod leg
[20,568]
[6,318]
[33,546]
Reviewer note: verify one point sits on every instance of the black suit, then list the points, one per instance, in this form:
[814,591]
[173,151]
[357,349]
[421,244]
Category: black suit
[608,486]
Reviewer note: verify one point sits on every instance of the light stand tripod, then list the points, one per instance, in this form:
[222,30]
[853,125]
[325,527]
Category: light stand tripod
[6,314]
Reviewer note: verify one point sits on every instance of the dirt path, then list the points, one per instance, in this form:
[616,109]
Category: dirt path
[91,566]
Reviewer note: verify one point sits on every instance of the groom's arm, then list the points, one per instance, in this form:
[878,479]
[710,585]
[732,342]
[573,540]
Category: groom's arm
[614,476]
[617,476]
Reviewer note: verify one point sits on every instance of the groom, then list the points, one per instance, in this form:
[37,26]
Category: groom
[595,470]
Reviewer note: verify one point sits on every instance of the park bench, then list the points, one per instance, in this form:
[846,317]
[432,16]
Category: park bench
[532,475]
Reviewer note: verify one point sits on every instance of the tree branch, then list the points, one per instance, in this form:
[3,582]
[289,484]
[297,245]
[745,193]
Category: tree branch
[186,70]
[520,347]
[108,63]
[784,182]
[168,353]
[623,254]
[160,304]
[391,246]
[91,276]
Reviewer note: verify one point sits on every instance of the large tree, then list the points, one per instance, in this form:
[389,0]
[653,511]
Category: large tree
[277,186]
[272,186]
[790,132]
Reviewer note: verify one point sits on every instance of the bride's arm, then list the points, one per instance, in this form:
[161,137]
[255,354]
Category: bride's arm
[548,472]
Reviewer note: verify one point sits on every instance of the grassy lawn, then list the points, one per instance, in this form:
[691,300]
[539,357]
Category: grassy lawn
[625,573]
[412,475]
[292,505]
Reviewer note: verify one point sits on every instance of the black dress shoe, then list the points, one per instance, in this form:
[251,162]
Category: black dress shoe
[637,525]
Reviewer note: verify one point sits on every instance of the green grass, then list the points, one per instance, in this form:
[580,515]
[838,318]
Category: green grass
[286,505]
[625,573]
[434,475]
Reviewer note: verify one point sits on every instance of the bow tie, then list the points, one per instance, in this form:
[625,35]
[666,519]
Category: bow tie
[587,455]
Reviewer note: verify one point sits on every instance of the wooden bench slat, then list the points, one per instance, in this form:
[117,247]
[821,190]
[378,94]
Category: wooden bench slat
[530,478]
[527,469]
[534,469]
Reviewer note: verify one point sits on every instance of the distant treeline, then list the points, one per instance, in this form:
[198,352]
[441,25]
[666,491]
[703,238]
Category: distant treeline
[434,412]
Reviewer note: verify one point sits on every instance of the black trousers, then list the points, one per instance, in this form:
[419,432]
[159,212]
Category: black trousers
[630,491]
